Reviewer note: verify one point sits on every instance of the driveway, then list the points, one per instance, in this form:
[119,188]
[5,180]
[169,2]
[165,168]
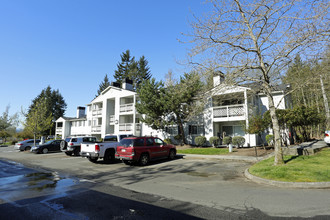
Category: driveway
[218,184]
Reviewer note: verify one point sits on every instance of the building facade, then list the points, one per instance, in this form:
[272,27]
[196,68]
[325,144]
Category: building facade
[228,108]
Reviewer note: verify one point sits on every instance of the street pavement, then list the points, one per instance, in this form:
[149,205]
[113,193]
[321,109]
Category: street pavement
[217,185]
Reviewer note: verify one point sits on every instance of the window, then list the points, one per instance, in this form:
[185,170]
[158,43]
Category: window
[172,130]
[60,124]
[137,142]
[89,122]
[150,142]
[110,138]
[233,131]
[158,142]
[74,140]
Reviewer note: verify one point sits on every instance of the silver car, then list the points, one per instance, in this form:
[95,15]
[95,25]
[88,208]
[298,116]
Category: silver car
[25,145]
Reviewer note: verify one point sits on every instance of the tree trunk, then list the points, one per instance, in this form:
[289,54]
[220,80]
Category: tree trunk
[326,105]
[276,131]
[179,122]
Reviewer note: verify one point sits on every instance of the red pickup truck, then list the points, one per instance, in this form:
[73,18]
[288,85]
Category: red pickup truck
[144,149]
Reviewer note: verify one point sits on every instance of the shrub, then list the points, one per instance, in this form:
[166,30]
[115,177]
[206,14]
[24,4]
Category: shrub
[200,140]
[238,141]
[226,140]
[214,140]
[168,141]
[270,139]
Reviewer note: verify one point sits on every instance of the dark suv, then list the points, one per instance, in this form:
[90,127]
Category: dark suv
[144,149]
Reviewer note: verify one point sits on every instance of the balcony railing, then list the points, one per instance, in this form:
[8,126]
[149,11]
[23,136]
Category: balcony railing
[126,127]
[129,127]
[96,128]
[97,112]
[126,107]
[228,111]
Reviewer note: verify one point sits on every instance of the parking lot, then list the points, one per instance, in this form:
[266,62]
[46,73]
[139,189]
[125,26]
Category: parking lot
[217,184]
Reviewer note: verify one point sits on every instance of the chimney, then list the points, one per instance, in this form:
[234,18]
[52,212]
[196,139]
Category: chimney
[115,84]
[81,112]
[128,84]
[218,78]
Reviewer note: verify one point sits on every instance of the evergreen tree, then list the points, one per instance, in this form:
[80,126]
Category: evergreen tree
[103,85]
[137,71]
[152,102]
[55,103]
[125,68]
[172,105]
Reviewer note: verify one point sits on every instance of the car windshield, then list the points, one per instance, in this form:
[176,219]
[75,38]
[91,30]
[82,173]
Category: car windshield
[49,142]
[67,139]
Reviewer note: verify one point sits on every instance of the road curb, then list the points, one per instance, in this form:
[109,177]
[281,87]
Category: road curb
[298,185]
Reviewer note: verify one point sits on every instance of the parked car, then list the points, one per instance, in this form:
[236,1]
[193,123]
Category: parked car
[327,137]
[144,149]
[25,145]
[50,146]
[71,145]
[105,149]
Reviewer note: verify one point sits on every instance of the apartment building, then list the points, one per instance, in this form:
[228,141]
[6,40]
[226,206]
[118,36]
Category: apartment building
[227,109]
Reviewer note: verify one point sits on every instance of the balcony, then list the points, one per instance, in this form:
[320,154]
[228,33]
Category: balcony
[59,130]
[229,111]
[96,129]
[97,112]
[129,127]
[126,108]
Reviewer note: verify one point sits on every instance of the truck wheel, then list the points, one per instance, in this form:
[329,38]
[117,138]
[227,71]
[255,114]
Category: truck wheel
[76,152]
[144,159]
[69,153]
[109,156]
[93,160]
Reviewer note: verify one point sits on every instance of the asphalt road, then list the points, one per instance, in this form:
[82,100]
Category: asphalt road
[178,189]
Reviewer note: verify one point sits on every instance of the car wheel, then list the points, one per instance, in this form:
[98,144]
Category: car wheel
[27,148]
[172,154]
[93,160]
[45,150]
[69,153]
[109,156]
[144,159]
[63,145]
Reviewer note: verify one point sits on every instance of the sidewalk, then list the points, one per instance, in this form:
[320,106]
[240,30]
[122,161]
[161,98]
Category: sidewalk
[304,185]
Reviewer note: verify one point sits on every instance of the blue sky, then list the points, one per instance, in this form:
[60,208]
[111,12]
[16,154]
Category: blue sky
[71,44]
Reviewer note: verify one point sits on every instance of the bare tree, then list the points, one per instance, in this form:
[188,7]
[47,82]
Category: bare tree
[255,40]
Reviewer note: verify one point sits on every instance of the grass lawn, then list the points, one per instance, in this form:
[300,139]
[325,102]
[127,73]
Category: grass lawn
[314,168]
[204,151]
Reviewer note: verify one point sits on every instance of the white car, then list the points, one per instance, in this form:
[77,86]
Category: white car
[327,137]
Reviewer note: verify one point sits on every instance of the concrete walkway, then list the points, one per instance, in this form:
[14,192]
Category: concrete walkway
[311,146]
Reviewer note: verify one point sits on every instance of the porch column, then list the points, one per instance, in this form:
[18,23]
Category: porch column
[134,114]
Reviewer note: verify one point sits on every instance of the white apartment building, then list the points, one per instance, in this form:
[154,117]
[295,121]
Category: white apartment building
[228,107]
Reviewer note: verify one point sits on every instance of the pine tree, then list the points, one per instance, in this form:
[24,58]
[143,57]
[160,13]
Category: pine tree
[137,71]
[125,68]
[103,85]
